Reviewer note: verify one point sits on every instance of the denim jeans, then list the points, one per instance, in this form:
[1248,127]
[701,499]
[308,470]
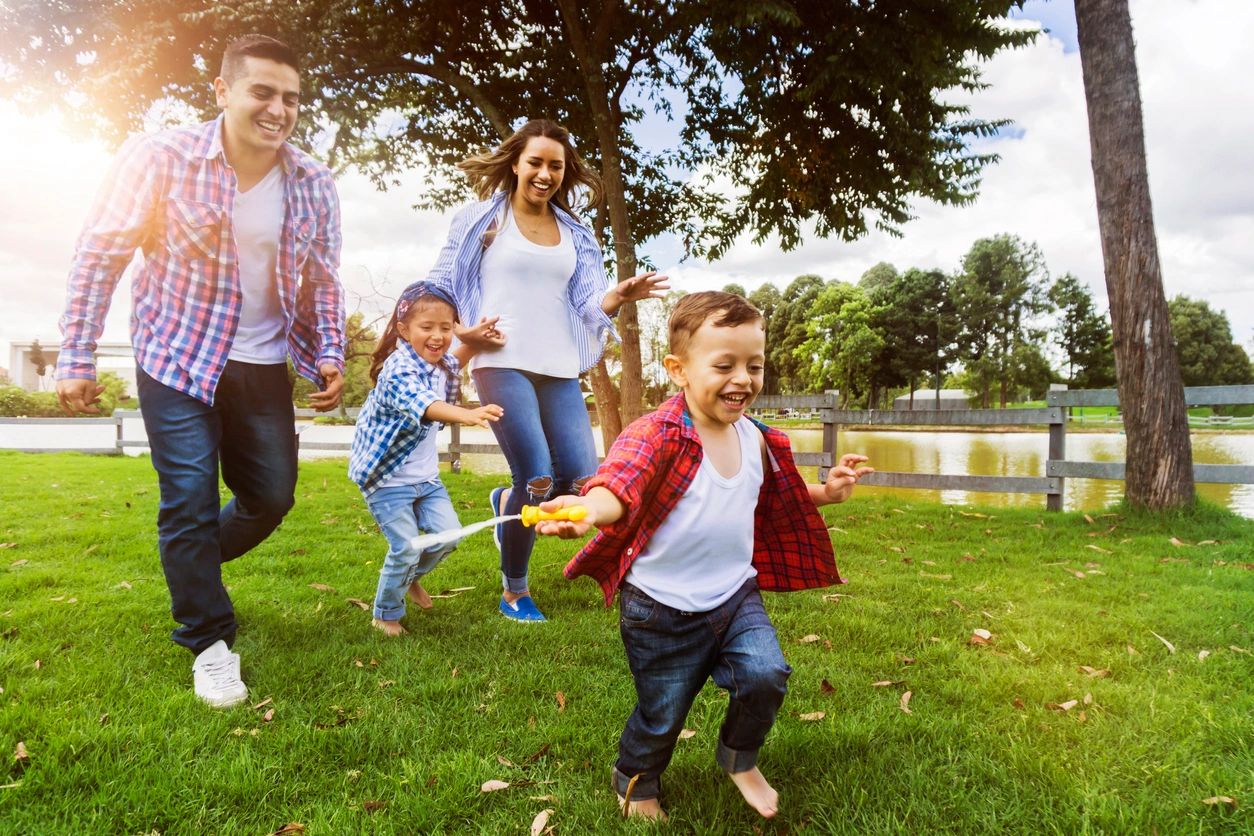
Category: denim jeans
[402,512]
[547,440]
[249,433]
[671,654]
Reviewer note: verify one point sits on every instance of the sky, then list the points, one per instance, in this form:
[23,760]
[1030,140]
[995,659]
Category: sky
[1194,64]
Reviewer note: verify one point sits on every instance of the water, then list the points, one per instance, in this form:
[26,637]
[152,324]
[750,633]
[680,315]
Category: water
[990,454]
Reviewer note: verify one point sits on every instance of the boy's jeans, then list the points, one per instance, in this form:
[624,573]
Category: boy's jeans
[403,512]
[671,654]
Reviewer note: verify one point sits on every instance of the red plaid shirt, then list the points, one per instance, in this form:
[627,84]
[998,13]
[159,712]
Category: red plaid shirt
[649,468]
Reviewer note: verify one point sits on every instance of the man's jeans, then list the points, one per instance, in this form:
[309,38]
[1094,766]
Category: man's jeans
[402,511]
[250,431]
[547,439]
[671,654]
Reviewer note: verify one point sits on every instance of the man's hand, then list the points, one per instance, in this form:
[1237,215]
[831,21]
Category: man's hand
[79,395]
[333,386]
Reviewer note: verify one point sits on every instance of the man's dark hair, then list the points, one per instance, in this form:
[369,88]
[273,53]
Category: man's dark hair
[255,46]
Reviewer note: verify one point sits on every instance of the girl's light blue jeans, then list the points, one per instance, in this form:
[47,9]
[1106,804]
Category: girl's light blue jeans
[403,512]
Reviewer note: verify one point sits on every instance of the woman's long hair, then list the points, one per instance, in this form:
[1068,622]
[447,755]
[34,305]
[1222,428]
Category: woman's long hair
[493,171]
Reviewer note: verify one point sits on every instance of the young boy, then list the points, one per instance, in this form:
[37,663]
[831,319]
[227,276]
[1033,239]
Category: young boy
[698,508]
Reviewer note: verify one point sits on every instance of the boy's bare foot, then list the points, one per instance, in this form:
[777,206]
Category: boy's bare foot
[419,595]
[760,795]
[650,809]
[388,628]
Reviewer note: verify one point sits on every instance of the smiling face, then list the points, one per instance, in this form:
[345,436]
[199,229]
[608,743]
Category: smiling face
[428,328]
[259,108]
[720,369]
[539,169]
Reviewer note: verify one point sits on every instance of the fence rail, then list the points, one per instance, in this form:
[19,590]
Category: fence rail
[1054,416]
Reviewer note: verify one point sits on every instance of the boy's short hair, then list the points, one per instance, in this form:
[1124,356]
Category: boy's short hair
[695,308]
[255,46]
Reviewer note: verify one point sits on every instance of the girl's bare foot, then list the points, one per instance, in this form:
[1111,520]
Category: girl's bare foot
[388,628]
[760,795]
[650,809]
[419,595]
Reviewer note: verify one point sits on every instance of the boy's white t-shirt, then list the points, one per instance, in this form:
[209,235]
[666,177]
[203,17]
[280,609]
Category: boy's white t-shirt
[703,551]
[423,464]
[257,222]
[526,284]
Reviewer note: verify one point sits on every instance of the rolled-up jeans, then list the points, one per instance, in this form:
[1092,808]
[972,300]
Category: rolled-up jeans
[547,440]
[402,512]
[671,654]
[249,432]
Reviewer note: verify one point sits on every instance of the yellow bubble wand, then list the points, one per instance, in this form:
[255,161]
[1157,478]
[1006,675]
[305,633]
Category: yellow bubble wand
[529,516]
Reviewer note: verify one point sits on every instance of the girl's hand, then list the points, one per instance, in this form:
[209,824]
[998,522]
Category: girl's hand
[482,337]
[645,286]
[566,529]
[842,477]
[482,416]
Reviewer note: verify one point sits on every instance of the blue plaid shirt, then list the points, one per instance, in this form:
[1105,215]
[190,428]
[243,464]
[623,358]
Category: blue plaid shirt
[391,425]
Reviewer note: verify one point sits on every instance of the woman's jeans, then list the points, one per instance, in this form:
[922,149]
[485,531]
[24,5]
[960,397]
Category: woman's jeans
[671,654]
[547,440]
[250,432]
[402,512]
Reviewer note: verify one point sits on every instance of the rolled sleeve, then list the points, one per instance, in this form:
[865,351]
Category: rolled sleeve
[322,274]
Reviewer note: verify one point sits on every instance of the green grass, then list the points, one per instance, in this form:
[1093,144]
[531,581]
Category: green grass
[118,743]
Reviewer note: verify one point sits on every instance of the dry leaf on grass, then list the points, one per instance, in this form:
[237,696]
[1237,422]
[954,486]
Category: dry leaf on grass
[1096,673]
[359,603]
[263,703]
[1170,647]
[18,563]
[8,545]
[885,683]
[835,597]
[1098,549]
[904,705]
[957,604]
[538,823]
[289,828]
[975,515]
[1062,706]
[321,587]
[493,785]
[268,716]
[1236,649]
[980,636]
[808,639]
[1226,800]
[812,716]
[687,733]
[1177,542]
[561,702]
[1023,647]
[826,687]
[373,806]
[1088,699]
[1090,520]
[1018,703]
[907,660]
[923,574]
[20,756]
[1202,654]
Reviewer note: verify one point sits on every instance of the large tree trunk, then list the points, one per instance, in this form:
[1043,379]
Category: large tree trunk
[1160,458]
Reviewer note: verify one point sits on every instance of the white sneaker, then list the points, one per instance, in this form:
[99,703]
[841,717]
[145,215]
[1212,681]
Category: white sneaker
[216,676]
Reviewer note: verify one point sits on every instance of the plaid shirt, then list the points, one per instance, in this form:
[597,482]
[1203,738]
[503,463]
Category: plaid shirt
[649,468]
[391,423]
[171,195]
[457,269]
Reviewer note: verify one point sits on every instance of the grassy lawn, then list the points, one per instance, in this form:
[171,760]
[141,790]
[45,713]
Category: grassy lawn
[375,735]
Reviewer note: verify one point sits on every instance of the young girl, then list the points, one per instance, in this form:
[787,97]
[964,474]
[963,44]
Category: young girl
[394,458]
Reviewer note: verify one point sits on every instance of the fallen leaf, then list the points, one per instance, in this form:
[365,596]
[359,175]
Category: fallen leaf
[322,587]
[539,753]
[1018,703]
[373,806]
[907,660]
[455,672]
[1177,542]
[1131,650]
[808,639]
[1216,800]
[386,683]
[957,604]
[18,563]
[8,545]
[1236,649]
[90,548]
[826,687]
[1023,647]
[268,716]
[561,702]
[975,515]
[20,756]
[980,636]
[550,798]
[923,574]
[1088,699]
[493,785]
[290,827]
[1096,673]
[538,823]
[1170,647]
[124,585]
[884,683]
[969,558]
[1202,654]
[1097,549]
[1083,716]
[904,705]
[359,603]
[263,703]
[812,716]
[686,734]
[38,664]
[1062,706]
[1208,542]
[835,597]
[104,719]
[1090,520]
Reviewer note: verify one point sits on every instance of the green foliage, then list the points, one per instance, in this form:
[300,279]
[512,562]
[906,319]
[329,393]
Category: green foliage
[915,317]
[361,341]
[1082,334]
[16,402]
[786,331]
[1207,353]
[841,344]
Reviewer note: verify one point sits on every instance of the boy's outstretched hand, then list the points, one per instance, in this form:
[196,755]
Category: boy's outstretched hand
[842,477]
[566,529]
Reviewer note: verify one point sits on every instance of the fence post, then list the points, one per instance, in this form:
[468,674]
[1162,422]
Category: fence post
[454,447]
[829,435]
[1057,452]
[118,438]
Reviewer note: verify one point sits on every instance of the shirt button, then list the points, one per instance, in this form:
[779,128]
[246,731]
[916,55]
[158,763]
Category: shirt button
[629,551]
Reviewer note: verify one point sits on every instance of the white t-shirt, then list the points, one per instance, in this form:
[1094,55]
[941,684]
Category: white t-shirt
[526,284]
[423,464]
[258,225]
[703,551]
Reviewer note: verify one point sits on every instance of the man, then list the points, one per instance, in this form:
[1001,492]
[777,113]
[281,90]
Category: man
[240,234]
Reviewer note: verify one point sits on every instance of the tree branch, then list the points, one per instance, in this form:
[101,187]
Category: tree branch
[447,75]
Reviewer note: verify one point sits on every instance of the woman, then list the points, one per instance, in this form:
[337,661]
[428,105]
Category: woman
[520,254]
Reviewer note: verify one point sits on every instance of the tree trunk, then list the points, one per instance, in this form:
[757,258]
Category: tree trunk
[1151,395]
[607,403]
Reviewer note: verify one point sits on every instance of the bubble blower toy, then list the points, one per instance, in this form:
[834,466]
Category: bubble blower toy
[531,514]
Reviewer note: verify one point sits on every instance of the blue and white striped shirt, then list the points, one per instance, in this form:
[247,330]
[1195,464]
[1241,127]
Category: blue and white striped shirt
[391,423]
[457,270]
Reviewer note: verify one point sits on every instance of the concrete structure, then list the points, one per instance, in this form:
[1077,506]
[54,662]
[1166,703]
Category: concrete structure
[926,399]
[114,357]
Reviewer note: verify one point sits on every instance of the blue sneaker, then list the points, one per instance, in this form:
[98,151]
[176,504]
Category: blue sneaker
[524,609]
[494,505]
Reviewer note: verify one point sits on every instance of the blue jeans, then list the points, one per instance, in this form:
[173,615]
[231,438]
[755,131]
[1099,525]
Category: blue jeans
[671,654]
[402,512]
[547,440]
[249,433]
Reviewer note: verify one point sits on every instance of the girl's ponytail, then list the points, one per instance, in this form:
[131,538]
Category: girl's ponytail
[387,344]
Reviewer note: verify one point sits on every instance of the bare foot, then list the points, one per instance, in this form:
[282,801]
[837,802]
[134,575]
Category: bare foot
[760,795]
[650,809]
[388,628]
[419,595]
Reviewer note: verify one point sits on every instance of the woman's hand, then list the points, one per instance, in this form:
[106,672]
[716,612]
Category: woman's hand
[645,286]
[482,337]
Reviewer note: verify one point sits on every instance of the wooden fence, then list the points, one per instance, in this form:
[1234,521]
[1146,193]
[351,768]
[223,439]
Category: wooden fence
[1052,417]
